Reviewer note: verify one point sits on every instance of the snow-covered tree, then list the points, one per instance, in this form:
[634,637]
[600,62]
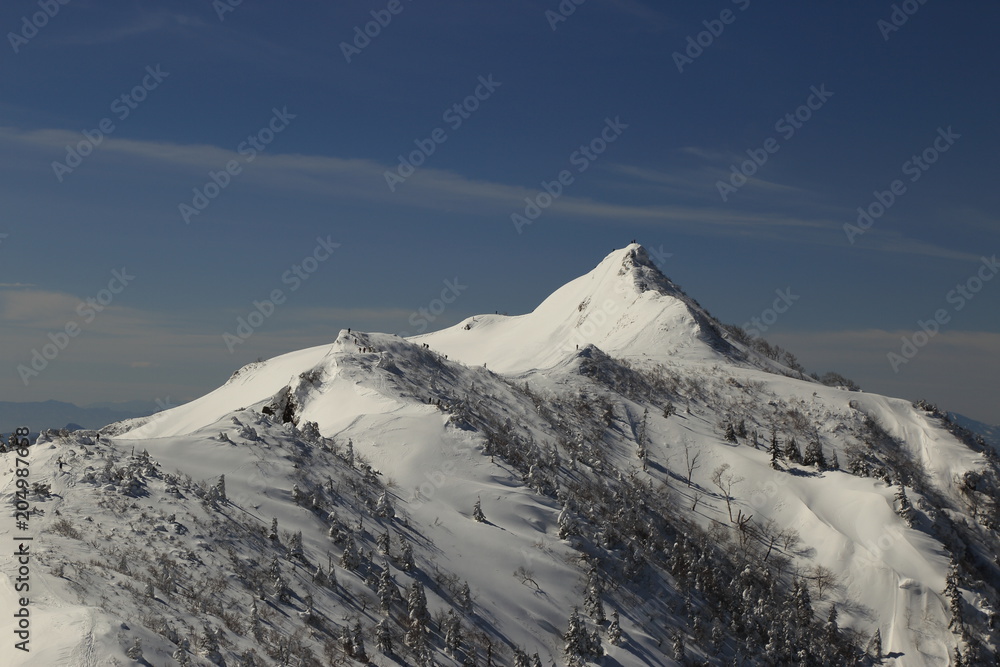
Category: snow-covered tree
[903,506]
[182,655]
[954,596]
[273,533]
[677,646]
[220,488]
[592,602]
[477,512]
[350,559]
[813,455]
[406,563]
[358,642]
[295,545]
[453,633]
[465,597]
[567,524]
[792,452]
[135,651]
[387,591]
[730,433]
[384,544]
[614,630]
[383,508]
[417,616]
[208,645]
[875,646]
[383,637]
[580,645]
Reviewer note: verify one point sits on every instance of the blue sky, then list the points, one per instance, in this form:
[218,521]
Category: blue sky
[198,82]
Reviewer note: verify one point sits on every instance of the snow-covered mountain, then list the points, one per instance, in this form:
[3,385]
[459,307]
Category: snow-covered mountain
[459,495]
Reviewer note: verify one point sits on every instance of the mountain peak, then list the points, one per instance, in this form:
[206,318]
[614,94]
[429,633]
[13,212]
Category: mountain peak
[625,306]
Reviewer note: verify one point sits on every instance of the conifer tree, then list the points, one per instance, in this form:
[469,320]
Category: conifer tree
[383,637]
[614,630]
[904,509]
[383,508]
[295,545]
[406,563]
[273,533]
[387,591]
[567,525]
[465,597]
[477,512]
[875,646]
[578,642]
[383,544]
[358,642]
[792,452]
[453,634]
[135,651]
[814,455]
[350,559]
[954,596]
[677,646]
[592,602]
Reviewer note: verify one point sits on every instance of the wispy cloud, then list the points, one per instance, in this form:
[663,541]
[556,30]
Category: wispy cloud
[769,215]
[133,26]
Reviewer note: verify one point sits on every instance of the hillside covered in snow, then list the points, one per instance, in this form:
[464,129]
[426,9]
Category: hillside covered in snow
[614,478]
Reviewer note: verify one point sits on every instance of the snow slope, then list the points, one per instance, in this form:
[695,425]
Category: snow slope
[582,378]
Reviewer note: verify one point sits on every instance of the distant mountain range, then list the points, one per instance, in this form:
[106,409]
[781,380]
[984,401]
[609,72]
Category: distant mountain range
[990,434]
[41,415]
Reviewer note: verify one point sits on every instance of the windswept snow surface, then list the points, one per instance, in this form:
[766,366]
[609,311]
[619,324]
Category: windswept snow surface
[393,400]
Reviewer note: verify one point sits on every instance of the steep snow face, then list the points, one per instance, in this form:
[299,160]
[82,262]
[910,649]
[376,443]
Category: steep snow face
[625,307]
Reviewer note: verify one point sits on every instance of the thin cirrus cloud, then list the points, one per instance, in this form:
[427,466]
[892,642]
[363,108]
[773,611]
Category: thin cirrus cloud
[428,188]
[441,189]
